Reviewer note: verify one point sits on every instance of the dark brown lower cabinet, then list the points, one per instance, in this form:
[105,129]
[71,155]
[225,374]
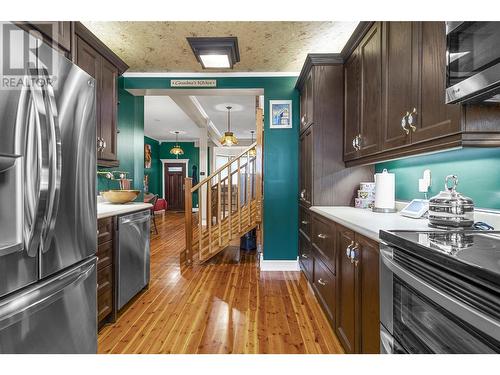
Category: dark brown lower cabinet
[105,271]
[347,291]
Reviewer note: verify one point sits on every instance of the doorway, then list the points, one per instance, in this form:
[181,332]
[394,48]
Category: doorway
[174,185]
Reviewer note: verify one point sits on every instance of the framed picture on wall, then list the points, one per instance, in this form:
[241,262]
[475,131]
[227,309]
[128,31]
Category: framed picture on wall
[281,114]
[147,156]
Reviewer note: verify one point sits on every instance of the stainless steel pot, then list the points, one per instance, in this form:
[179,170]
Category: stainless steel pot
[450,208]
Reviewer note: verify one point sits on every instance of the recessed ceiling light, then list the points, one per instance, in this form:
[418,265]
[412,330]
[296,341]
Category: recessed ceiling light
[221,53]
[215,61]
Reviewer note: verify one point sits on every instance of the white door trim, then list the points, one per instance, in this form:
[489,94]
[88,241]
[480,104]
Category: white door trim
[171,161]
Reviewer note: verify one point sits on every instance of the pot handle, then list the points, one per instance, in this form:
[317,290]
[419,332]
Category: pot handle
[454,179]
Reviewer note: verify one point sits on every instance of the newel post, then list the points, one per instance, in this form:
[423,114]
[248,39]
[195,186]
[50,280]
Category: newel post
[188,217]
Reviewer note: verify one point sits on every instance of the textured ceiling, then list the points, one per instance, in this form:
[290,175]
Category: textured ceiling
[264,46]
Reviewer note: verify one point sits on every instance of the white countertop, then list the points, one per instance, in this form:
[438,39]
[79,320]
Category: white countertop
[367,222]
[106,209]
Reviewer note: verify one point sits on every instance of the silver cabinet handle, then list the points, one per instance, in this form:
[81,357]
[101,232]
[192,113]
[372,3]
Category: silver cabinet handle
[303,120]
[355,255]
[304,256]
[103,144]
[322,236]
[358,143]
[411,119]
[304,222]
[303,194]
[322,282]
[355,143]
[404,122]
[349,249]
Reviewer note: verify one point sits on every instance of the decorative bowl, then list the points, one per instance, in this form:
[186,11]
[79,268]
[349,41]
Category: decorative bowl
[120,196]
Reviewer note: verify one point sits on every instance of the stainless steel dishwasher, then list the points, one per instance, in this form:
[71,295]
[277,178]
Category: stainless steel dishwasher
[133,255]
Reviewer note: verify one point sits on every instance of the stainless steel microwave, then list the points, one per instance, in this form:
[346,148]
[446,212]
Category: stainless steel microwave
[472,62]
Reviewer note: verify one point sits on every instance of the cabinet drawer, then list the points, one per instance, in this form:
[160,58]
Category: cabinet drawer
[104,254]
[105,230]
[306,259]
[104,304]
[323,240]
[324,283]
[104,280]
[305,221]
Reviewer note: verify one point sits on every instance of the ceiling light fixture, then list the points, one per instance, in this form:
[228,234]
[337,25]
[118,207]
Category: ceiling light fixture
[229,139]
[215,53]
[177,150]
[253,151]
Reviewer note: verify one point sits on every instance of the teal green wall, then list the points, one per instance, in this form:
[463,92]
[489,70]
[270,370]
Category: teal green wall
[478,171]
[191,152]
[154,172]
[130,141]
[280,159]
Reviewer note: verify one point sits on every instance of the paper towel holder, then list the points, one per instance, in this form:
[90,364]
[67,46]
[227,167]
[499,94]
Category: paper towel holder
[385,209]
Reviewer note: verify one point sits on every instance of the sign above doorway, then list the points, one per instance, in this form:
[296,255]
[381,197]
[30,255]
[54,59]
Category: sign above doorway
[193,83]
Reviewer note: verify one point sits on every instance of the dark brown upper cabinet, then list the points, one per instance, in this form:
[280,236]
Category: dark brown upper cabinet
[56,33]
[371,79]
[102,64]
[408,97]
[307,102]
[363,76]
[398,82]
[322,99]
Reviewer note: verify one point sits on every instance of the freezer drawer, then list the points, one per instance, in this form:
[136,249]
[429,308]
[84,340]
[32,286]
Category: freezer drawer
[133,255]
[57,315]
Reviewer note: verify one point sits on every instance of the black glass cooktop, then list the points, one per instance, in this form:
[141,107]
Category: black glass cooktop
[475,253]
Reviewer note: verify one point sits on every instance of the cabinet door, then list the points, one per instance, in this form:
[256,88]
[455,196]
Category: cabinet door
[351,105]
[346,297]
[306,167]
[89,60]
[57,33]
[368,277]
[434,118]
[109,74]
[303,108]
[371,85]
[309,98]
[398,82]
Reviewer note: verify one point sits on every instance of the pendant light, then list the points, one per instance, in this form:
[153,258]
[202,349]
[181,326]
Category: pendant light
[229,139]
[177,150]
[253,151]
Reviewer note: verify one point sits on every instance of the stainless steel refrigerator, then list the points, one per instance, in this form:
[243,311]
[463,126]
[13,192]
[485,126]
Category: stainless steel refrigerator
[48,218]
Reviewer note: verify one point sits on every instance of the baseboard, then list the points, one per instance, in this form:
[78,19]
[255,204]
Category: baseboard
[279,265]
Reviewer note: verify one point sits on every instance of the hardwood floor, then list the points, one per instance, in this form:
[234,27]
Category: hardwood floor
[225,306]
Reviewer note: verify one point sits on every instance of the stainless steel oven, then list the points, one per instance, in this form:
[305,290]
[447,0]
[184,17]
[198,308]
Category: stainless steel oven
[473,62]
[423,309]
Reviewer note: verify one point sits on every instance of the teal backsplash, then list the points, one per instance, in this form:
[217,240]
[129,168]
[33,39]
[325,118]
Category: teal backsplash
[478,171]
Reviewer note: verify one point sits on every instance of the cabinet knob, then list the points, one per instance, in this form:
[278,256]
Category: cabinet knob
[349,249]
[305,256]
[303,194]
[355,255]
[412,119]
[322,282]
[304,222]
[404,123]
[359,141]
[322,236]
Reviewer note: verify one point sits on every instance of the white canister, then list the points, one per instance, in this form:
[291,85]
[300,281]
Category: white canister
[385,192]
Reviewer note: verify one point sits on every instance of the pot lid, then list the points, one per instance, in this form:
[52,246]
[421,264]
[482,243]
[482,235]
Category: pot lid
[450,196]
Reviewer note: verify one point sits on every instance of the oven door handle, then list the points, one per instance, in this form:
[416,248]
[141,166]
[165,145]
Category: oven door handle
[477,319]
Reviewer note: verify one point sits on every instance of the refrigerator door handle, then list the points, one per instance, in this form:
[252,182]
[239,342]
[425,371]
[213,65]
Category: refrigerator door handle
[36,164]
[54,146]
[19,307]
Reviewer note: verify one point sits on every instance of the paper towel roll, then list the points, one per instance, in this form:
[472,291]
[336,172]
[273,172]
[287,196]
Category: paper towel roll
[385,191]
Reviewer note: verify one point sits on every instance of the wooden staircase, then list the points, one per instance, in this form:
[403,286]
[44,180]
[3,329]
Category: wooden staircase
[230,204]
